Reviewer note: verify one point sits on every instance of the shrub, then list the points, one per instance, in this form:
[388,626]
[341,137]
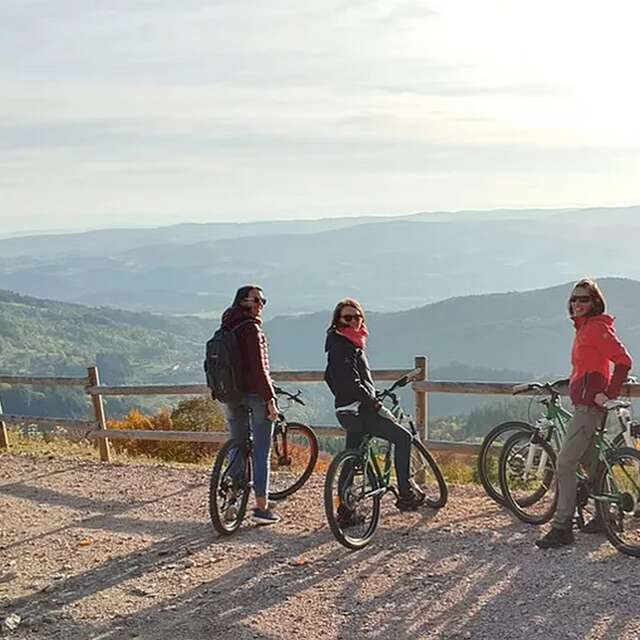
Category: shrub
[194,414]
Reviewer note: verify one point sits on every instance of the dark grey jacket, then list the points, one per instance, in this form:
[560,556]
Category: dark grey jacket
[348,374]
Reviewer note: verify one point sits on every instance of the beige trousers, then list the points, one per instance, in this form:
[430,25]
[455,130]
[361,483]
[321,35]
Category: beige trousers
[577,448]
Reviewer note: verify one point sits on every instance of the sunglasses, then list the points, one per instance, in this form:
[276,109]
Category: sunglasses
[583,299]
[350,318]
[262,301]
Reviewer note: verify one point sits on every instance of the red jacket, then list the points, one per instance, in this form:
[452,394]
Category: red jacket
[254,352]
[595,347]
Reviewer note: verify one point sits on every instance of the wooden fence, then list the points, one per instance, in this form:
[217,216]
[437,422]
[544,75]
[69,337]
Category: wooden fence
[96,427]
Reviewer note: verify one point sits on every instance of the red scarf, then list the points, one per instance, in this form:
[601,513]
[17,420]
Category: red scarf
[357,336]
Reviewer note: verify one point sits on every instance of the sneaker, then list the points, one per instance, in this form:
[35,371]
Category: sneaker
[265,516]
[410,501]
[555,539]
[347,518]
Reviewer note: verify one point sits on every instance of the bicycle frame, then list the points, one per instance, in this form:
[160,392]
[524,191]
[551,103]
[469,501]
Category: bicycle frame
[382,472]
[553,427]
[370,450]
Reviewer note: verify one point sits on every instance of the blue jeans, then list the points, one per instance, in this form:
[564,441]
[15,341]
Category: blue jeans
[262,429]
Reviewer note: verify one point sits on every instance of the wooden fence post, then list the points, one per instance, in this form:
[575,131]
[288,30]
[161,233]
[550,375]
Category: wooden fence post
[4,434]
[422,403]
[98,410]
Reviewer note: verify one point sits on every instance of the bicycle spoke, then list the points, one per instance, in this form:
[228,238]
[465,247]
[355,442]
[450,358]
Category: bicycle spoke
[352,500]
[528,479]
[229,488]
[619,500]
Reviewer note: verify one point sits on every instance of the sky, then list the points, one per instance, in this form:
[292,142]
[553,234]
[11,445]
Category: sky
[154,112]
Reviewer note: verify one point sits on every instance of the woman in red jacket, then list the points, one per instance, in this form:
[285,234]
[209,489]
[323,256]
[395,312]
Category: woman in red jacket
[591,385]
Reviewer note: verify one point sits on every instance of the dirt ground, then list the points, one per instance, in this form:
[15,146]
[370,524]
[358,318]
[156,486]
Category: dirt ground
[100,551]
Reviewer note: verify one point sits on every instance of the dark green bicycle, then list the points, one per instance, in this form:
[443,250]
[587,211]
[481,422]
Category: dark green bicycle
[357,479]
[528,462]
[611,488]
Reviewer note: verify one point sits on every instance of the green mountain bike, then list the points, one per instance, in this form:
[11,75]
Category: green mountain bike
[611,488]
[550,424]
[357,479]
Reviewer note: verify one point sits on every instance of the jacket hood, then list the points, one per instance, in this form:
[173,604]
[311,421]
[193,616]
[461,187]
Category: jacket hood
[235,315]
[603,318]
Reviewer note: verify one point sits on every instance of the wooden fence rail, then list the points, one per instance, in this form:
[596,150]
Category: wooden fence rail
[96,428]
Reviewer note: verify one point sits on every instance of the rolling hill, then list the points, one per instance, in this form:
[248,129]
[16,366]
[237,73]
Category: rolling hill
[391,264]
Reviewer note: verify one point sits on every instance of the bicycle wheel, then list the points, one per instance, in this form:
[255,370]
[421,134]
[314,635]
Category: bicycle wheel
[352,500]
[527,477]
[294,452]
[489,456]
[617,489]
[426,477]
[230,486]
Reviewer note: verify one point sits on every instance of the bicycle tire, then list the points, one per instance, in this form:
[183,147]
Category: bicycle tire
[349,460]
[491,486]
[303,454]
[221,483]
[624,537]
[511,479]
[425,474]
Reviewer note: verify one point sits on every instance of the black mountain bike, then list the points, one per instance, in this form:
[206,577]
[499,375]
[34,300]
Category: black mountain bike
[358,478]
[294,452]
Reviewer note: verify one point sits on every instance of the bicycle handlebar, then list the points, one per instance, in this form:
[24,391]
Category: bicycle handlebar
[550,387]
[401,382]
[295,397]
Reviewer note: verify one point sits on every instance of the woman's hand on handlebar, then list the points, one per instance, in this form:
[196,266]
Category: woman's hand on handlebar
[272,410]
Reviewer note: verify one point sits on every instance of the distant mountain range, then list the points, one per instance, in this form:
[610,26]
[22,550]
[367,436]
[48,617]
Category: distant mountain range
[390,263]
[506,336]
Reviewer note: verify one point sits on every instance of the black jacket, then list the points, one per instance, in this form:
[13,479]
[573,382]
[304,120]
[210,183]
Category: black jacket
[348,374]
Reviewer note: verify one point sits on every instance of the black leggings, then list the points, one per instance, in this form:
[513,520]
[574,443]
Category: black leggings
[371,422]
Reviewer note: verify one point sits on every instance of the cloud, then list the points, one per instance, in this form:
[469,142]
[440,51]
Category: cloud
[249,107]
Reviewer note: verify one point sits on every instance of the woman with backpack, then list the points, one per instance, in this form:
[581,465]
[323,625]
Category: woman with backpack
[357,408]
[255,391]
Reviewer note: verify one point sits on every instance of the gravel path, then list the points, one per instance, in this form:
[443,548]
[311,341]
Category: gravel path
[100,551]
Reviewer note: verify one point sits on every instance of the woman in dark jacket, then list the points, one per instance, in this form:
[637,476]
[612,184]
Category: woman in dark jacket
[595,348]
[357,409]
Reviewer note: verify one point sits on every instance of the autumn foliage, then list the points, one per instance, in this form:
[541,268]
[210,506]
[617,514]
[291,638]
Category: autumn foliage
[194,414]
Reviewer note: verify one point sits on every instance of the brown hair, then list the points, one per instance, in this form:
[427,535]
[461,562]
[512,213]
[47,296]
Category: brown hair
[599,303]
[347,302]
[243,292]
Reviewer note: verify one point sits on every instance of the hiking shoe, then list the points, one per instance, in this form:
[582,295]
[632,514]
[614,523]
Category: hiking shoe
[555,539]
[348,518]
[265,516]
[410,501]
